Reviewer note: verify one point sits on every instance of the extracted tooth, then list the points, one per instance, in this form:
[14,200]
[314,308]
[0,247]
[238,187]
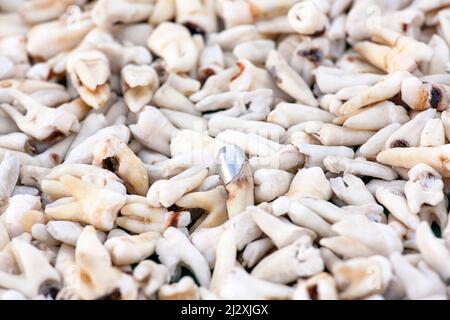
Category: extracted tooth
[288,114]
[237,176]
[397,205]
[40,121]
[426,284]
[375,144]
[321,286]
[332,135]
[174,44]
[152,275]
[46,40]
[90,204]
[375,117]
[378,237]
[425,186]
[315,154]
[126,249]
[106,13]
[435,157]
[400,52]
[359,167]
[306,18]
[212,201]
[114,155]
[409,134]
[299,259]
[352,190]
[419,95]
[288,80]
[167,192]
[154,130]
[310,182]
[89,72]
[36,273]
[433,250]
[139,83]
[174,247]
[94,274]
[9,174]
[281,232]
[433,134]
[384,89]
[360,277]
[271,183]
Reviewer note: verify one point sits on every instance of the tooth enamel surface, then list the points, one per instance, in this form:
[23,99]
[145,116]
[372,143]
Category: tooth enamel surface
[274,149]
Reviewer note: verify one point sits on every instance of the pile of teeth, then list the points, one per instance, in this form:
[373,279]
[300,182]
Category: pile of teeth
[224,149]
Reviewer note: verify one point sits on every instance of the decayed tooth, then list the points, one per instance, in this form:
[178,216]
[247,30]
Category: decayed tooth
[114,155]
[409,134]
[433,134]
[174,44]
[419,95]
[289,114]
[174,247]
[397,205]
[400,52]
[384,89]
[315,154]
[426,284]
[299,259]
[433,250]
[46,40]
[90,204]
[83,152]
[271,183]
[280,231]
[154,130]
[369,234]
[435,157]
[89,72]
[105,13]
[375,117]
[352,190]
[333,135]
[126,249]
[138,217]
[36,273]
[360,167]
[424,186]
[306,18]
[288,80]
[9,173]
[211,62]
[375,144]
[360,277]
[331,80]
[167,192]
[139,83]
